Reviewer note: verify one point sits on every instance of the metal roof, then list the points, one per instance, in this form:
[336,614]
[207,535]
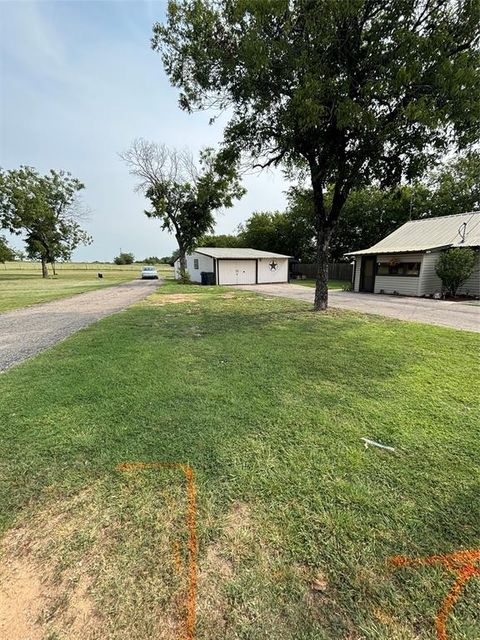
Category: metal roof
[240,254]
[430,233]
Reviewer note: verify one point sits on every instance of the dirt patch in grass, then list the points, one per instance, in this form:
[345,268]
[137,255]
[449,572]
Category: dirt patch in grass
[162,299]
[37,603]
[173,298]
[109,562]
[21,601]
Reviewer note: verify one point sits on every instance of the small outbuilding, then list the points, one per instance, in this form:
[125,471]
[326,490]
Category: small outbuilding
[404,262]
[227,266]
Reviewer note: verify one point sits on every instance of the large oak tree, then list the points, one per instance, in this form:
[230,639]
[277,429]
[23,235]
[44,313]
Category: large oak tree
[353,92]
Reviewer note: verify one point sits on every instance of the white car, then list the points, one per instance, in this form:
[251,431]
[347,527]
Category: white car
[149,273]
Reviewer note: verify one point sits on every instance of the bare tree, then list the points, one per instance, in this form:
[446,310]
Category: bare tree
[183,194]
[154,163]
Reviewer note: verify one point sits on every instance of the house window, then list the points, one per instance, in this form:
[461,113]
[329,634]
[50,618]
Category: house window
[397,268]
[412,269]
[195,263]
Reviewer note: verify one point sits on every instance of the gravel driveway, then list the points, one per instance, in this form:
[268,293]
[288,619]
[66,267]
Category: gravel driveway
[26,332]
[438,312]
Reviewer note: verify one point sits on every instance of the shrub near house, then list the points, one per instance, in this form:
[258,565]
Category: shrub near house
[454,268]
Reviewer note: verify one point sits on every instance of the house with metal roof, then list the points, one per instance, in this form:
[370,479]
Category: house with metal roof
[228,266]
[404,262]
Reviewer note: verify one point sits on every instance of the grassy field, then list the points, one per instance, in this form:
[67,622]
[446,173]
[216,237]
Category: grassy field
[332,284]
[268,403]
[21,284]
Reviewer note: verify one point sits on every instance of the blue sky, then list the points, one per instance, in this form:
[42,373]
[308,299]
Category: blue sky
[78,82]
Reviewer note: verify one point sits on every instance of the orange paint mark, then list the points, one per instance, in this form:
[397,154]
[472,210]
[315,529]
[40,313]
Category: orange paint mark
[462,563]
[191,520]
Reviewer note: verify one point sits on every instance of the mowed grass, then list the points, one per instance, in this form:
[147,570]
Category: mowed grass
[332,284]
[267,401]
[23,285]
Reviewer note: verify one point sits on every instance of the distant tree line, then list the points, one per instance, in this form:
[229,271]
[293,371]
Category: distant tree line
[368,215]
[157,260]
[129,258]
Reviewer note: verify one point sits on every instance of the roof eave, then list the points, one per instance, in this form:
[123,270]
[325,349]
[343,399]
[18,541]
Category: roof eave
[266,254]
[379,251]
[209,255]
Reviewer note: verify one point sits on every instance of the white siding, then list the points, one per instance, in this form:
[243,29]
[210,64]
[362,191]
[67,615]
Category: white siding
[430,283]
[236,272]
[205,263]
[404,285]
[358,268]
[267,275]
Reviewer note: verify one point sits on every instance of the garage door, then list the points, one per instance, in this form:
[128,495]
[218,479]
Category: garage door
[236,271]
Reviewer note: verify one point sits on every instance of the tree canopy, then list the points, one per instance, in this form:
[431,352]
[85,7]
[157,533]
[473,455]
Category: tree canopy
[44,209]
[222,240]
[350,92]
[280,232]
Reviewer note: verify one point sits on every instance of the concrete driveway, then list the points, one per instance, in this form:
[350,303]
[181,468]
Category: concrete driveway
[456,315]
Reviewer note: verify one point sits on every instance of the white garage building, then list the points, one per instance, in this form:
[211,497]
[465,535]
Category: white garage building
[236,266]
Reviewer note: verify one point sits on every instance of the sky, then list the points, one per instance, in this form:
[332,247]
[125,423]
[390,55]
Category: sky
[78,82]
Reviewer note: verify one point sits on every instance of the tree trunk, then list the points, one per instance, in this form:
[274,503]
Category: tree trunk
[53,268]
[323,233]
[321,285]
[44,268]
[182,258]
[324,226]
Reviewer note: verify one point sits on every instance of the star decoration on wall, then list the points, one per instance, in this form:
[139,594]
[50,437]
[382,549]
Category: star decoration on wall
[273,265]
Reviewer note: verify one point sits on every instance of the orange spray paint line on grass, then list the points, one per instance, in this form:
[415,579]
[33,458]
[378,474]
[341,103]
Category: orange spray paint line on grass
[464,564]
[191,521]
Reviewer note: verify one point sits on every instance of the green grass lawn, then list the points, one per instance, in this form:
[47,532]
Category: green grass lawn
[268,402]
[23,285]
[332,284]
